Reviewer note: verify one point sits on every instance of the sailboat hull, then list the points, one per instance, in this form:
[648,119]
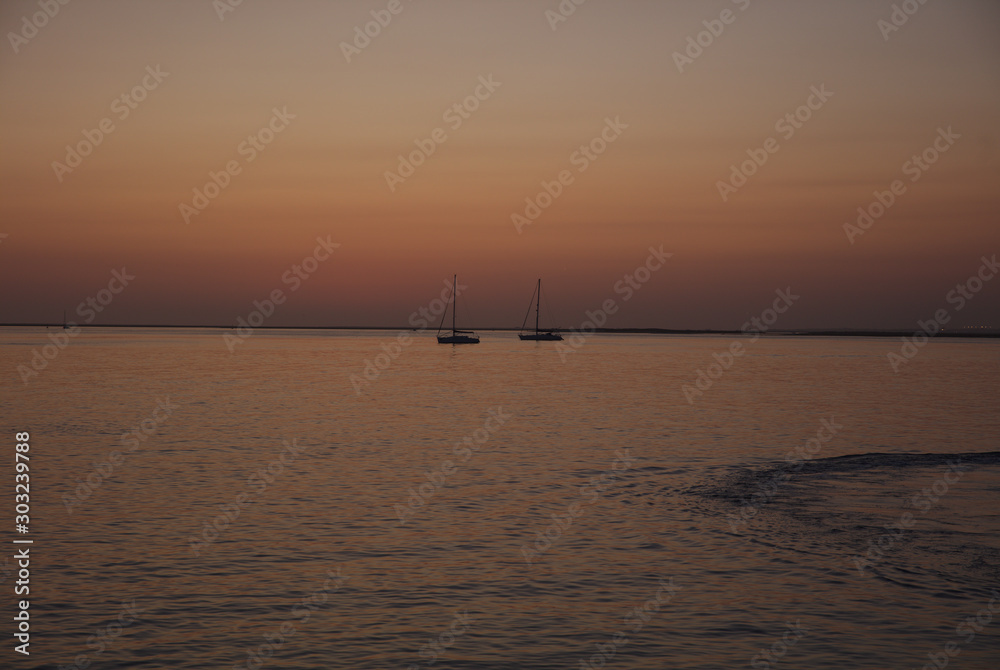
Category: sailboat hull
[457,339]
[541,337]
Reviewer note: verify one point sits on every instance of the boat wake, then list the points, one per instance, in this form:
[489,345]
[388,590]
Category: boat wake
[895,516]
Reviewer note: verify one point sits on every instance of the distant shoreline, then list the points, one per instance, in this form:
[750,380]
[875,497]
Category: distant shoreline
[611,331]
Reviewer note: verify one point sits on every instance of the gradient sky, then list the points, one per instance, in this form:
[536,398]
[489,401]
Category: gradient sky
[655,185]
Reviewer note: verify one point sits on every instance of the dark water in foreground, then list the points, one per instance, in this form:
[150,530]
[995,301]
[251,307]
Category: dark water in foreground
[708,540]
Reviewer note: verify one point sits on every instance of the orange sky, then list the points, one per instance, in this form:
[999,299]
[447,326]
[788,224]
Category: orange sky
[656,184]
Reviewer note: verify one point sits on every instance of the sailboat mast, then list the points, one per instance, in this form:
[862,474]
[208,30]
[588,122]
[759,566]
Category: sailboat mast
[454,303]
[538,303]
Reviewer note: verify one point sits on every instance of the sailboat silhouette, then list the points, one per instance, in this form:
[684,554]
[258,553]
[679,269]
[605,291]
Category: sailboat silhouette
[538,335]
[457,336]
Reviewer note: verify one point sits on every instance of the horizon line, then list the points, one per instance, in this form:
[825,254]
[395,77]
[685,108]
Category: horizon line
[968,331]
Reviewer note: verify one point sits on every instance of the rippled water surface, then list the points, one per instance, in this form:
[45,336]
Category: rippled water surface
[598,510]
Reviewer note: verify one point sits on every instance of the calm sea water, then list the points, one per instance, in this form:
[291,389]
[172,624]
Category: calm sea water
[678,535]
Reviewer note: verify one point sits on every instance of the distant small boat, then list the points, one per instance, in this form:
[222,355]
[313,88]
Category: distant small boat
[65,323]
[538,335]
[457,336]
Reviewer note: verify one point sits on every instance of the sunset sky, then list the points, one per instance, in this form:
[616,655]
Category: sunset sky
[219,80]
